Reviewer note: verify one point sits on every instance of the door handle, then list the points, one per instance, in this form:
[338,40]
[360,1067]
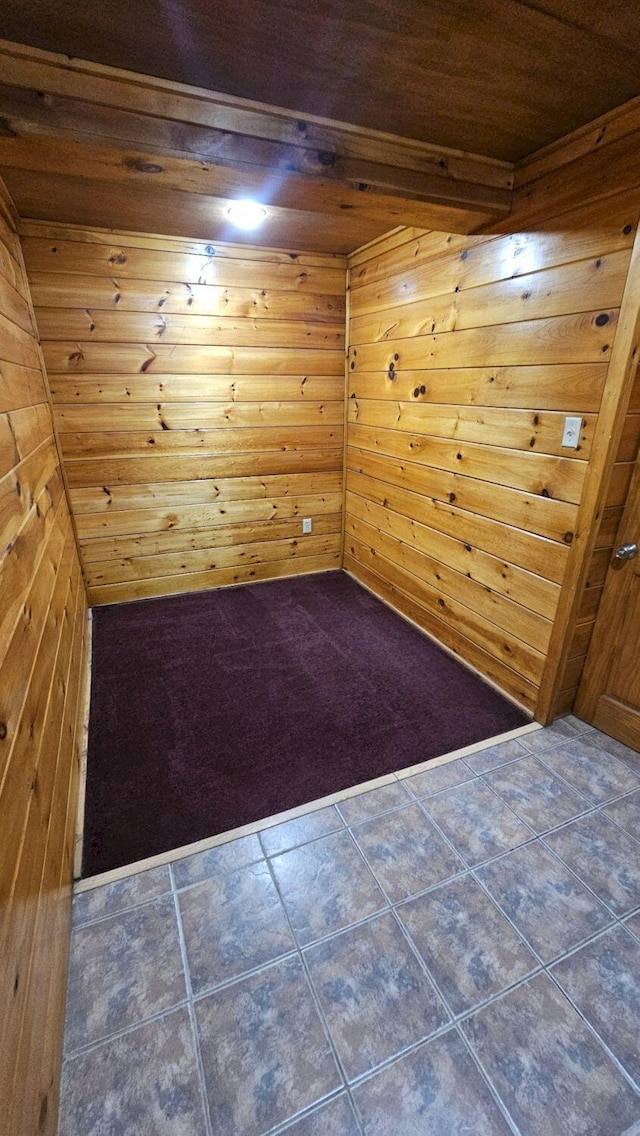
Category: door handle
[626,552]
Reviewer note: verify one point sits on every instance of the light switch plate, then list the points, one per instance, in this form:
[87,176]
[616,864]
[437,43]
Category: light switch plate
[307,524]
[571,432]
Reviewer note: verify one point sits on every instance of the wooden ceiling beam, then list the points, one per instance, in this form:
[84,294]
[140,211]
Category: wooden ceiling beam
[32,113]
[133,171]
[49,94]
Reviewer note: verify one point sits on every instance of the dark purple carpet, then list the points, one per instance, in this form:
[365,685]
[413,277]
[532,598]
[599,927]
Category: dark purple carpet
[212,710]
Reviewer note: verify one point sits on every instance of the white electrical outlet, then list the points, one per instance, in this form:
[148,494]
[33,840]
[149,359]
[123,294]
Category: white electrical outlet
[571,432]
[307,524]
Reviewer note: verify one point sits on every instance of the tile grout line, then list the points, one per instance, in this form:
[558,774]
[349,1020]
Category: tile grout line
[507,804]
[396,1058]
[121,910]
[502,764]
[459,1020]
[340,826]
[316,1000]
[545,969]
[495,856]
[537,757]
[467,751]
[612,820]
[464,1014]
[563,778]
[488,1079]
[236,979]
[202,1084]
[311,1110]
[613,921]
[384,812]
[635,1085]
[99,1042]
[575,875]
[455,1019]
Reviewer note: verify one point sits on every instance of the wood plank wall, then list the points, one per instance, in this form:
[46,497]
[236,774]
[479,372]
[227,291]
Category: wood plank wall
[42,664]
[465,355]
[198,393]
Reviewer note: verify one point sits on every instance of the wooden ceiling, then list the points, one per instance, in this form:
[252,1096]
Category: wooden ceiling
[346,117]
[496,77]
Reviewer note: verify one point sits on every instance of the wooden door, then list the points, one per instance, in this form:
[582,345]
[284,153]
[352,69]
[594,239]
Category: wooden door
[609,694]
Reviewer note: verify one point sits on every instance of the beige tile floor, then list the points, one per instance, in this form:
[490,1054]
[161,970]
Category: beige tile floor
[457,951]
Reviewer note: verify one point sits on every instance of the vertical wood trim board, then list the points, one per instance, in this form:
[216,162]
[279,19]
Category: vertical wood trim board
[198,394]
[465,356]
[42,651]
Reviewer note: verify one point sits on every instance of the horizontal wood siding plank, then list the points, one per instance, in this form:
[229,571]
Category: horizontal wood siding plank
[121,326]
[582,338]
[551,477]
[443,632]
[202,560]
[474,262]
[245,440]
[167,467]
[14,306]
[217,578]
[526,660]
[225,250]
[117,258]
[93,418]
[174,493]
[498,575]
[131,521]
[196,388]
[541,555]
[540,515]
[100,294]
[188,540]
[529,430]
[572,387]
[24,485]
[20,386]
[17,345]
[587,178]
[569,288]
[514,618]
[163,358]
[21,432]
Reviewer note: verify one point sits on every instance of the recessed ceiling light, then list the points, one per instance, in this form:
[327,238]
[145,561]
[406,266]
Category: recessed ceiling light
[246,214]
